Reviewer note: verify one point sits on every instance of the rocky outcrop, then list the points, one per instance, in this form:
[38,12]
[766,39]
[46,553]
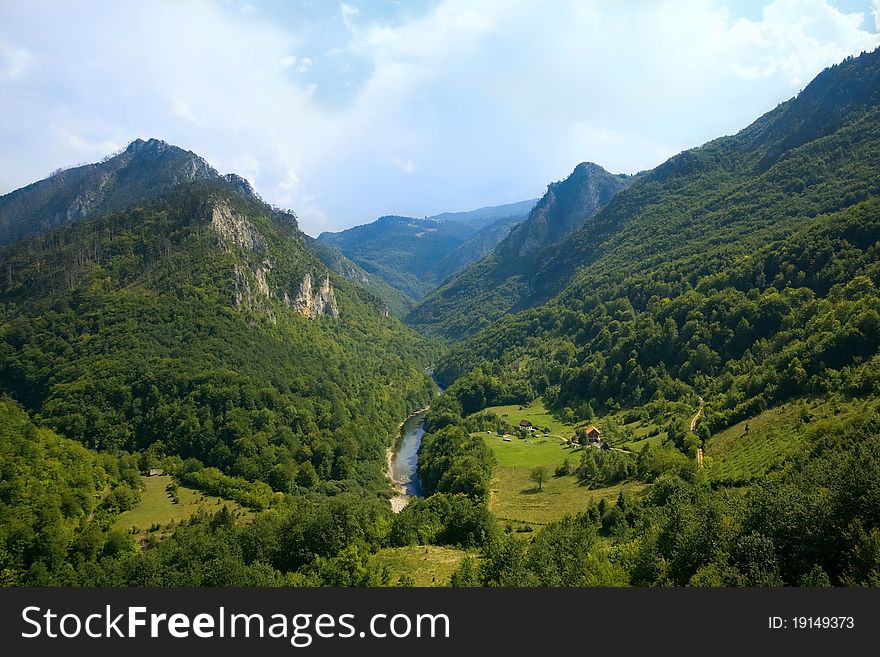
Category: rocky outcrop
[564,208]
[315,300]
[241,186]
[235,229]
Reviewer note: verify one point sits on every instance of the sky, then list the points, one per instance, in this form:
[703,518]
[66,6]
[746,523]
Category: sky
[346,111]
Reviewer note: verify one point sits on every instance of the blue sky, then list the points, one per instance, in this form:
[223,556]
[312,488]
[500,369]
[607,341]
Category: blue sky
[344,111]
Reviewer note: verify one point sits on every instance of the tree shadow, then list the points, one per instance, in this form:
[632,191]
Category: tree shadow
[532,490]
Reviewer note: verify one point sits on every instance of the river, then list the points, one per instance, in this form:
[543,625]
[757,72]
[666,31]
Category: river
[403,470]
[403,465]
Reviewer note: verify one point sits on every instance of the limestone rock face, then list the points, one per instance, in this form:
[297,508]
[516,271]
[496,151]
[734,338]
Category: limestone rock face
[235,229]
[315,300]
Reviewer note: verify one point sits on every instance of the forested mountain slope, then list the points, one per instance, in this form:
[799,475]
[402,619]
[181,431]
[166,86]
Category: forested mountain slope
[721,326]
[745,270]
[502,281]
[199,325]
[397,302]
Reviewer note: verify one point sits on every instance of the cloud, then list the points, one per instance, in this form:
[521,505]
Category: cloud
[302,65]
[795,39]
[91,149]
[14,62]
[181,109]
[407,166]
[348,12]
[488,101]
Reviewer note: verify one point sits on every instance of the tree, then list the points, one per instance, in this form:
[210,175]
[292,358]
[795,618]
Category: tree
[539,476]
[564,469]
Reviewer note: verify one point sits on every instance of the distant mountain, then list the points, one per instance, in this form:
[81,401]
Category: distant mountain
[415,255]
[476,247]
[502,281]
[482,217]
[143,170]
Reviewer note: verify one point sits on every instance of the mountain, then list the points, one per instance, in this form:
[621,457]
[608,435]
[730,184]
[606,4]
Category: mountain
[198,324]
[415,255]
[144,169]
[718,324]
[483,217]
[502,281]
[745,270]
[476,247]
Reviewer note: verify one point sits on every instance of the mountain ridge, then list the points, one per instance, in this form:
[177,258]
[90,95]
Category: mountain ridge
[143,169]
[413,255]
[500,282]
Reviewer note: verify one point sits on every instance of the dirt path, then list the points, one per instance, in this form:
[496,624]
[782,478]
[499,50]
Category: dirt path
[697,416]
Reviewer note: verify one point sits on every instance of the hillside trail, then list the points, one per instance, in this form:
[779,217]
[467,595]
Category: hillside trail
[697,416]
[694,429]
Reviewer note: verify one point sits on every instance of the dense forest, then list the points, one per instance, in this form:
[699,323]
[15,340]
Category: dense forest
[716,320]
[744,273]
[180,331]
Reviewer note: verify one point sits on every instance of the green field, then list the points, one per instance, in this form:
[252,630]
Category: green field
[533,451]
[536,414]
[513,495]
[749,450]
[428,565]
[643,439]
[632,435]
[157,508]
[515,498]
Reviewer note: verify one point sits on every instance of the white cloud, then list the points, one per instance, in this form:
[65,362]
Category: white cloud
[407,166]
[181,109]
[795,39]
[88,148]
[302,65]
[290,182]
[348,12]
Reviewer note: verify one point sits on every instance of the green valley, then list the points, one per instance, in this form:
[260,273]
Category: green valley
[663,379]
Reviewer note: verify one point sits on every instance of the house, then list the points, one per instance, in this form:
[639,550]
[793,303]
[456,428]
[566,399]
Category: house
[155,472]
[526,425]
[593,434]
